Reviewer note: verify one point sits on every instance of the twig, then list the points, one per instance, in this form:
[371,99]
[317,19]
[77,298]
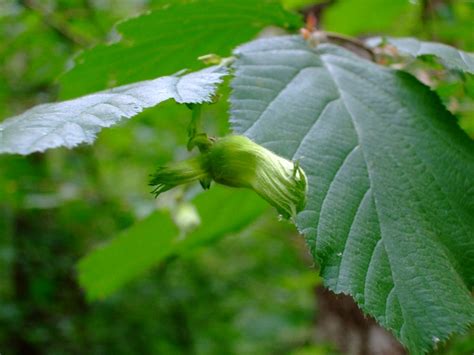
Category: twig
[56,24]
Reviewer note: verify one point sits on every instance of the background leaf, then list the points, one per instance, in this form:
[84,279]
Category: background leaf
[357,17]
[300,4]
[391,194]
[451,57]
[72,122]
[172,38]
[156,238]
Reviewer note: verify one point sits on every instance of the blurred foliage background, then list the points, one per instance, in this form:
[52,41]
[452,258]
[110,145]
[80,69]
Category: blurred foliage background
[251,292]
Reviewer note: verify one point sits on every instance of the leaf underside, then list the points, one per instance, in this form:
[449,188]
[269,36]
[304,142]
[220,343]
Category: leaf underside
[450,57]
[77,121]
[391,188]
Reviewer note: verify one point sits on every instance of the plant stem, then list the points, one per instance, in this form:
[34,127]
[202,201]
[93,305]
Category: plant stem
[194,125]
[337,37]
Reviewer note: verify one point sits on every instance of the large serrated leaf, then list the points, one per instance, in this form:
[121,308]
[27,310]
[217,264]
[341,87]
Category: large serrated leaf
[391,188]
[450,57]
[77,121]
[171,38]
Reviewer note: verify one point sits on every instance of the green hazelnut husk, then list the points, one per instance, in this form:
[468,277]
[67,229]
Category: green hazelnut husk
[179,173]
[236,161]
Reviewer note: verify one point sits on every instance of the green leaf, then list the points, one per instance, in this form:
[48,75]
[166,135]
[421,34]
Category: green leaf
[72,122]
[300,4]
[171,38]
[222,211]
[355,17]
[449,56]
[391,189]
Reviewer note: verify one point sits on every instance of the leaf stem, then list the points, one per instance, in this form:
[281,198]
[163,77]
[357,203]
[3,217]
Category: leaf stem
[343,39]
[195,120]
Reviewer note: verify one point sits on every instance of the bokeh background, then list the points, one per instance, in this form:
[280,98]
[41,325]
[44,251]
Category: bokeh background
[252,292]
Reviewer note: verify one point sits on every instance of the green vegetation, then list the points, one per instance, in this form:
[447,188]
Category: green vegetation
[370,107]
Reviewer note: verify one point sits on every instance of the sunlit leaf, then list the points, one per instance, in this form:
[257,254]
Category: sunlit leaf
[299,4]
[356,17]
[172,38]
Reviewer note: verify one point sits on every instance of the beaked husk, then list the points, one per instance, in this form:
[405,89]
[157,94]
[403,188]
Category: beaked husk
[236,161]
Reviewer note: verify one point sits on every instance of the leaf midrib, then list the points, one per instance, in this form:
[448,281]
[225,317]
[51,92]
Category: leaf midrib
[356,129]
[339,97]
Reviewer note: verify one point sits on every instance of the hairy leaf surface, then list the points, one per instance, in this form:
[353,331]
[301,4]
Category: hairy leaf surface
[172,38]
[450,57]
[72,122]
[156,238]
[391,188]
